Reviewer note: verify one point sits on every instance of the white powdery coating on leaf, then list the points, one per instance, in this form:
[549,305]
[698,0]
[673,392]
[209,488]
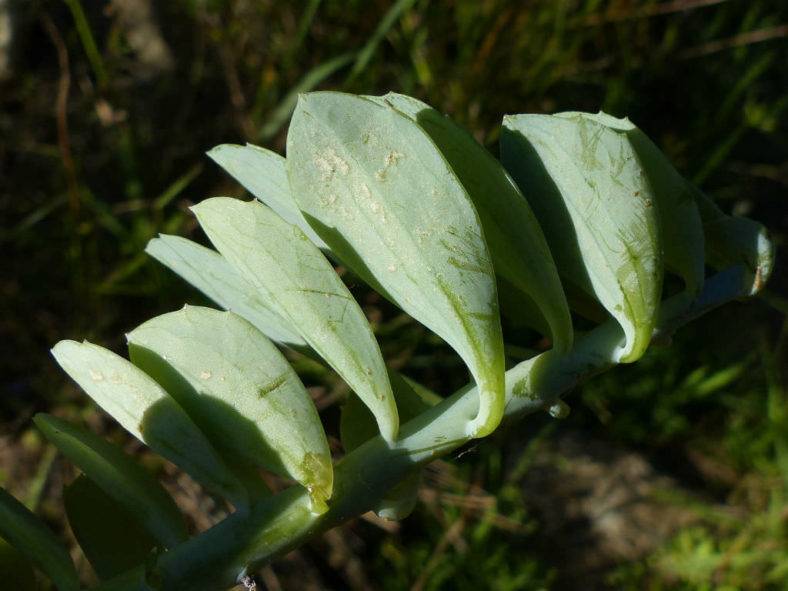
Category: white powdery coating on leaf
[330,163]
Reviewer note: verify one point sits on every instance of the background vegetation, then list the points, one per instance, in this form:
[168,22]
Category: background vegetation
[670,474]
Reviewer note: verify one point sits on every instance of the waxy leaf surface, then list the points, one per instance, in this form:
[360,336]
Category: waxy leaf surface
[517,245]
[293,275]
[264,174]
[732,240]
[130,486]
[209,272]
[681,228]
[148,412]
[239,389]
[589,192]
[376,189]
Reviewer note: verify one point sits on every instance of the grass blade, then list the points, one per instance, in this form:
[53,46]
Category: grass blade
[20,528]
[311,79]
[517,245]
[386,23]
[120,477]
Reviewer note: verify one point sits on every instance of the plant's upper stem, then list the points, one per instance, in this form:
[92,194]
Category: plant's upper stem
[217,558]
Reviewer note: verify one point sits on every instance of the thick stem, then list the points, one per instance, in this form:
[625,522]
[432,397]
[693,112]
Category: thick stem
[244,542]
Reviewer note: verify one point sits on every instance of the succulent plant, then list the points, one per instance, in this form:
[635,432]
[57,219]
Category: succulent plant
[582,216]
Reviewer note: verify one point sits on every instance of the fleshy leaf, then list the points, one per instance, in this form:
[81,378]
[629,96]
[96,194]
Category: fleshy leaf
[20,528]
[209,272]
[734,240]
[148,412]
[263,173]
[112,539]
[240,390]
[680,224]
[517,245]
[296,279]
[584,182]
[130,485]
[376,189]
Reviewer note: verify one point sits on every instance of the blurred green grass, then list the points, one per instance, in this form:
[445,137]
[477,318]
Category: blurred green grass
[103,126]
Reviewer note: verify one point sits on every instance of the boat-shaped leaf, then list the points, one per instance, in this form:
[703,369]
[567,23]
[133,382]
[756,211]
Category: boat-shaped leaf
[732,240]
[149,413]
[584,181]
[517,245]
[680,223]
[209,272]
[292,275]
[263,173]
[239,389]
[376,189]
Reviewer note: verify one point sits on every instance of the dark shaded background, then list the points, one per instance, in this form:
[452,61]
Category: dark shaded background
[107,108]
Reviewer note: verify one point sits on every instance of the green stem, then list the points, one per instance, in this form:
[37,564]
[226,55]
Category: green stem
[244,542]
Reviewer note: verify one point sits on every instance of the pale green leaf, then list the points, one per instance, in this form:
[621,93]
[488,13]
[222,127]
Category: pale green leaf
[239,389]
[734,240]
[293,276]
[148,412]
[517,245]
[130,485]
[584,182]
[385,24]
[681,228]
[20,528]
[263,173]
[376,189]
[209,272]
